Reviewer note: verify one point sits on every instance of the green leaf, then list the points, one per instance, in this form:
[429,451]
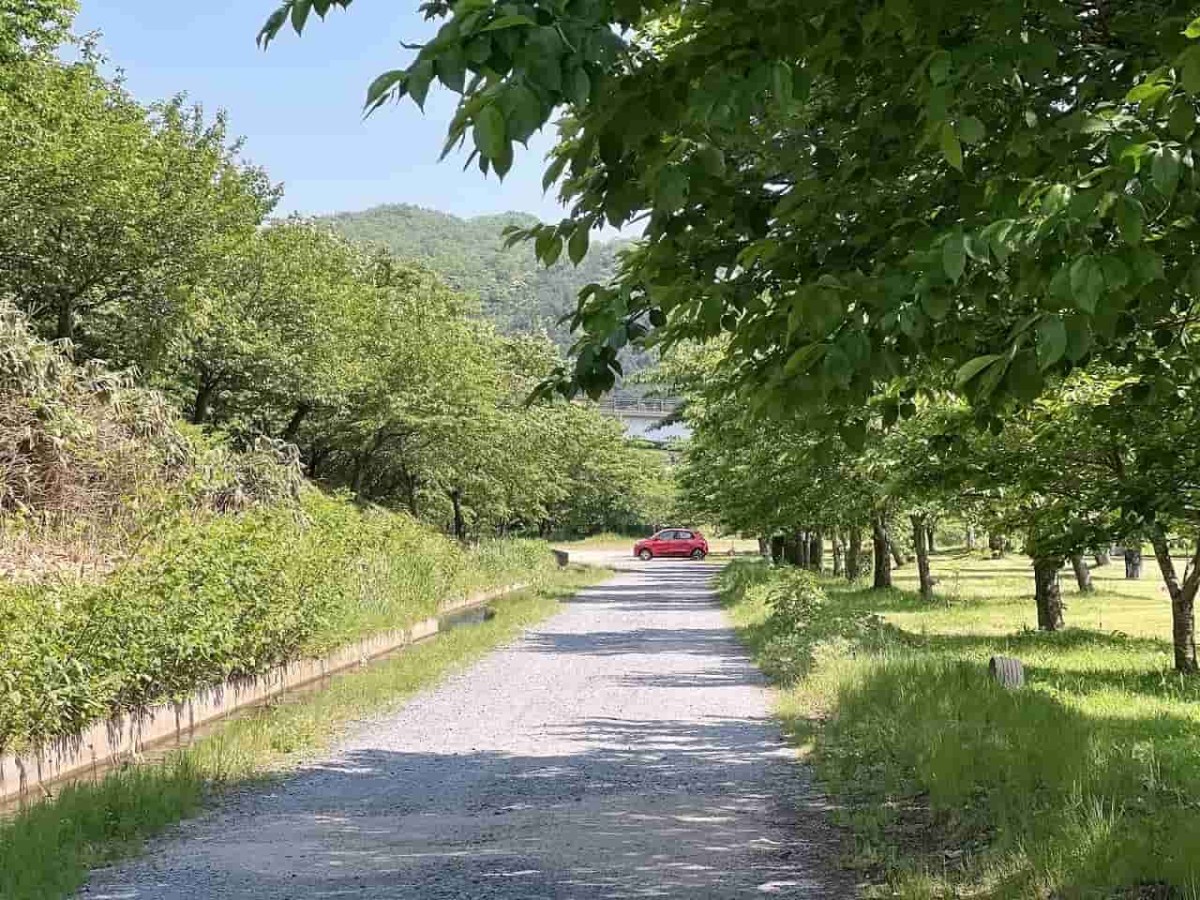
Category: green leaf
[578,247]
[1164,171]
[939,67]
[300,11]
[803,359]
[972,369]
[580,86]
[507,22]
[524,116]
[420,76]
[554,171]
[951,148]
[672,189]
[1130,217]
[270,29]
[712,160]
[1079,338]
[1190,73]
[954,256]
[548,246]
[971,130]
[1193,29]
[782,83]
[452,70]
[1087,283]
[1183,118]
[936,304]
[1116,273]
[378,92]
[502,163]
[489,131]
[1051,340]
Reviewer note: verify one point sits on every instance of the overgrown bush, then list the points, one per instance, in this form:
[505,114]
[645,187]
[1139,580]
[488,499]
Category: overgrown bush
[77,440]
[215,596]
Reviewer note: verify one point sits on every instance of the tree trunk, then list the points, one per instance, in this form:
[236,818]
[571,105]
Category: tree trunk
[778,549]
[412,485]
[1048,593]
[1133,561]
[931,542]
[293,425]
[920,537]
[316,458]
[838,557]
[203,402]
[65,329]
[996,544]
[816,551]
[1083,575]
[1102,558]
[882,548]
[896,554]
[460,525]
[970,537]
[791,550]
[1183,601]
[803,547]
[854,554]
[764,548]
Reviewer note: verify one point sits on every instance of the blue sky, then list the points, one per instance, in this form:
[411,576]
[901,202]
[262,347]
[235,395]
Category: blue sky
[299,103]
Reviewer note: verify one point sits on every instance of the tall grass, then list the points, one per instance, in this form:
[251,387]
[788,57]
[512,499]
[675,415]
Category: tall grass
[47,850]
[1082,784]
[214,596]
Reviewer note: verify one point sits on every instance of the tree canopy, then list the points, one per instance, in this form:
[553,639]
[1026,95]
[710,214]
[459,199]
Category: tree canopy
[137,234]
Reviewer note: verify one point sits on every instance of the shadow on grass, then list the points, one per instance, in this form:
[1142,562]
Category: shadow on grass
[936,759]
[954,783]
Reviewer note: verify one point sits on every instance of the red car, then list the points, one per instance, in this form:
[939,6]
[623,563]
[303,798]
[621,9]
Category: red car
[672,542]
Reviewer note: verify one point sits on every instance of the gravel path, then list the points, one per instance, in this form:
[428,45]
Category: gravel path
[623,749]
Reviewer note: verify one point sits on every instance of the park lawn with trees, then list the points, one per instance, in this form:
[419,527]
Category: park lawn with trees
[1080,784]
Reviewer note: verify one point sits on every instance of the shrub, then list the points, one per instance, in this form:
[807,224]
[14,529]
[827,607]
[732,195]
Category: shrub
[221,595]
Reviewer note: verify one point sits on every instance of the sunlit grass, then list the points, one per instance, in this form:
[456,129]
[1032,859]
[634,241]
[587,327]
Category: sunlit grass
[1086,783]
[47,850]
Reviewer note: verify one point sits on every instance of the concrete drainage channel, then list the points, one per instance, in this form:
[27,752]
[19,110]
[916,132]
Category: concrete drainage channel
[149,736]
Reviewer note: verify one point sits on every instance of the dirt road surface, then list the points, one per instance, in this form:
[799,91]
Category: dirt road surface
[623,749]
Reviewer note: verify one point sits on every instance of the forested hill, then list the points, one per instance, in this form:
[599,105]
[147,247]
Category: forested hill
[516,291]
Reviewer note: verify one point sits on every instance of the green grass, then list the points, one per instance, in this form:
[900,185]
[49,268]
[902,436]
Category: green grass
[47,849]
[1086,783]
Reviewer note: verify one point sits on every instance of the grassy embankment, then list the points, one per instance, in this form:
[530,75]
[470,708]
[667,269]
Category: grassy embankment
[1086,783]
[47,850]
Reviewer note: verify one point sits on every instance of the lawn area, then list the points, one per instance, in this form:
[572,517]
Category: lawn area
[1086,783]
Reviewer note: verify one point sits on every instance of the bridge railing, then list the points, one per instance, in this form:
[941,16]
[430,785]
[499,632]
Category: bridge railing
[643,406]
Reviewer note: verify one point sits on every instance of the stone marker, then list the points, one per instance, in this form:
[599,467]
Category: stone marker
[1008,671]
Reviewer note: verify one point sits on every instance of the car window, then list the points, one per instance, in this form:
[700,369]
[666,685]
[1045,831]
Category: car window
[683,535]
[665,536]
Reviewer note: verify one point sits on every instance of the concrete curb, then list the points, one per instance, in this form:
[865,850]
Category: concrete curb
[113,741]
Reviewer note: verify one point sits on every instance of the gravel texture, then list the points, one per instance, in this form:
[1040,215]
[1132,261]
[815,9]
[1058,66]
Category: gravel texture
[621,750]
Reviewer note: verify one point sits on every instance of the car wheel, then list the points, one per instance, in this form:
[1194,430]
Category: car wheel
[697,553]
[646,556]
